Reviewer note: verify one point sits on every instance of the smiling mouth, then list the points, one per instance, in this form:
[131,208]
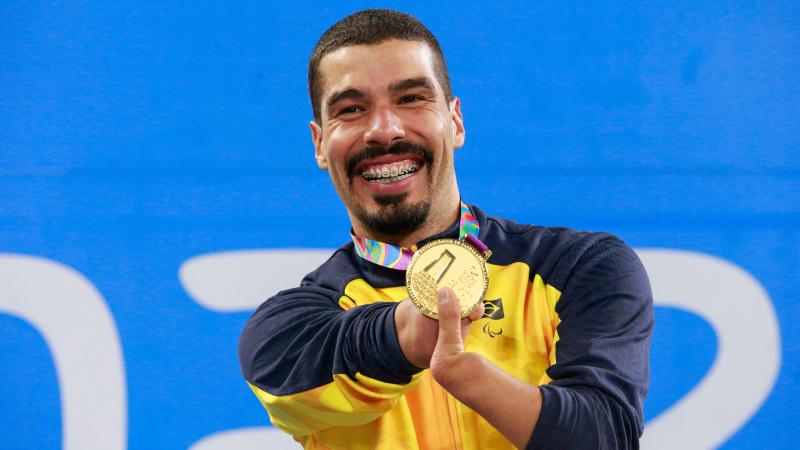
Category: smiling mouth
[385,166]
[390,173]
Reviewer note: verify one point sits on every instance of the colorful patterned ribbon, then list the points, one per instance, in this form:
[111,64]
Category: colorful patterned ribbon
[395,257]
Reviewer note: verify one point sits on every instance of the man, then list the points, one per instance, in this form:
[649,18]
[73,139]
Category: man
[558,357]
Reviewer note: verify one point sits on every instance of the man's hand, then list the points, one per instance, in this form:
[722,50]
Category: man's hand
[513,406]
[449,355]
[419,335]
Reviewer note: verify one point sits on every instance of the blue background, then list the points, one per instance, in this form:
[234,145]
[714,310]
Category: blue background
[135,135]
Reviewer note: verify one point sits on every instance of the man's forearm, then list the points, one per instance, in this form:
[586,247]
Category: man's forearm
[509,404]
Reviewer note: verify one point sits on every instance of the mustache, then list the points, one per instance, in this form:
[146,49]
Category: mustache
[399,148]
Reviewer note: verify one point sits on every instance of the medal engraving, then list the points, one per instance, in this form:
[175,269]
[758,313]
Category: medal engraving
[447,263]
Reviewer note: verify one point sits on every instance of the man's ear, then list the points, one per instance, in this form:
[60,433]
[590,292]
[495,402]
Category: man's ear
[316,137]
[457,123]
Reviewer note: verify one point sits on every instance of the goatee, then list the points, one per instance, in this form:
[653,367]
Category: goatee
[396,216]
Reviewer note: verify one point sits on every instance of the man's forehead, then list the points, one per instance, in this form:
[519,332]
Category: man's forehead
[376,66]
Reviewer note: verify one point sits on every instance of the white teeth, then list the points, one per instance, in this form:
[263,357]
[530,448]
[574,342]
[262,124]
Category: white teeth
[389,174]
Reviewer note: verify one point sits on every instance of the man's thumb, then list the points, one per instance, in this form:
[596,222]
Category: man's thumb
[449,317]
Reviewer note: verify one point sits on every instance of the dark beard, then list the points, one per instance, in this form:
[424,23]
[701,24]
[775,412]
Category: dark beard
[396,217]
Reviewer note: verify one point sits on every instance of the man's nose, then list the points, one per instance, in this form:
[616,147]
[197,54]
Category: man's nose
[384,128]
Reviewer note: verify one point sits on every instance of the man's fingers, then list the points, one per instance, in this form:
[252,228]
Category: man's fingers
[477,314]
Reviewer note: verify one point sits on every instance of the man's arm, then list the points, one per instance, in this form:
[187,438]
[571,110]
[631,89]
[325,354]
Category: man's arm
[314,365]
[601,374]
[601,371]
[514,406]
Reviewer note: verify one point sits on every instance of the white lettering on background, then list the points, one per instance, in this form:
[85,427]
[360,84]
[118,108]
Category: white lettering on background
[75,322]
[241,280]
[77,326]
[748,353]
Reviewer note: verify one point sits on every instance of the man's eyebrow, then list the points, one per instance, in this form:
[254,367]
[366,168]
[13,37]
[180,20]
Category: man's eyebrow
[343,95]
[423,82]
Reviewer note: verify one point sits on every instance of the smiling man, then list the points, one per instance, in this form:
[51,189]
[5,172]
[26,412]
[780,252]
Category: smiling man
[558,357]
[386,134]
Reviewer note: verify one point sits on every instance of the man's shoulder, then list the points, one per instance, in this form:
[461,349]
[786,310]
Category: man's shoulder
[512,238]
[336,272]
[551,252]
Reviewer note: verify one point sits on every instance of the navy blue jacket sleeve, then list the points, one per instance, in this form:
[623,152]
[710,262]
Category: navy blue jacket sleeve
[601,374]
[298,339]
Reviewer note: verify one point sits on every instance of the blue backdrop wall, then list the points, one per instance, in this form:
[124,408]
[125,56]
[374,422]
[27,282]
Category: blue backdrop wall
[156,169]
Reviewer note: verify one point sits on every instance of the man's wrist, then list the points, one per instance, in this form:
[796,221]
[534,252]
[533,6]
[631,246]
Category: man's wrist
[457,376]
[404,363]
[401,328]
[410,337]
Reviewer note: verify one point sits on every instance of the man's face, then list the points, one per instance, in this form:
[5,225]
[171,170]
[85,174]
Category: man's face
[387,135]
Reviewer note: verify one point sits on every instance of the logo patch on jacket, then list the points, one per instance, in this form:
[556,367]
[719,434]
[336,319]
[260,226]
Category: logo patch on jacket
[492,310]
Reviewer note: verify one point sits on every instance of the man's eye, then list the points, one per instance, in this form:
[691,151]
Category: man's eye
[350,109]
[409,98]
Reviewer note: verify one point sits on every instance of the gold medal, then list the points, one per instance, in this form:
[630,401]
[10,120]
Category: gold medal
[447,263]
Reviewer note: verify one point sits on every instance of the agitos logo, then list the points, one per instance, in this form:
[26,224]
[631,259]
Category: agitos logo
[492,310]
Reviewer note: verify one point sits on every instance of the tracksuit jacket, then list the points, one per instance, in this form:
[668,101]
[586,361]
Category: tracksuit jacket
[568,311]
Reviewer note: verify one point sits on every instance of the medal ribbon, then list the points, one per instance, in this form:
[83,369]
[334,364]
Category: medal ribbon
[395,257]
